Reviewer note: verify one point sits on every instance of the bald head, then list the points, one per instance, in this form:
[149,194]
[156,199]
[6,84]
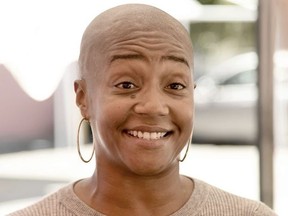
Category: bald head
[123,23]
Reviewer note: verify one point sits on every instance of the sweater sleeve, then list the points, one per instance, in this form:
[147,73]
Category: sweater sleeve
[264,210]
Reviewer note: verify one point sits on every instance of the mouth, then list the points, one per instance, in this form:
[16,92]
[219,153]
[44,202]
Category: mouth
[148,135]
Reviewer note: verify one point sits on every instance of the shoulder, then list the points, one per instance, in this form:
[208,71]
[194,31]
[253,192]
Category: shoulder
[49,205]
[210,200]
[226,203]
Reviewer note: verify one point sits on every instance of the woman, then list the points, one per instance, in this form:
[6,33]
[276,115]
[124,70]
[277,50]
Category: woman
[136,90]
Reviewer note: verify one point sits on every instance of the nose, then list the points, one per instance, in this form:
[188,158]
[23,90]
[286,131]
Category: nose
[152,102]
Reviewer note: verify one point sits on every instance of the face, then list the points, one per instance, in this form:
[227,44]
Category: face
[140,103]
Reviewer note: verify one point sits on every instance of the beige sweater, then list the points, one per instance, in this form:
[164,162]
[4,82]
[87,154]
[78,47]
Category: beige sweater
[205,200]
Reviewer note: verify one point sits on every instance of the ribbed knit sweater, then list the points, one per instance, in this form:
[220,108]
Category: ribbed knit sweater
[205,200]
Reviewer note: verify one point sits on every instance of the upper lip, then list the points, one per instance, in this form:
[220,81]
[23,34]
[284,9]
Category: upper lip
[148,129]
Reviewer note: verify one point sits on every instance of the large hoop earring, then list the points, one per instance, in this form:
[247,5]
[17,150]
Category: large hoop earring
[186,152]
[78,144]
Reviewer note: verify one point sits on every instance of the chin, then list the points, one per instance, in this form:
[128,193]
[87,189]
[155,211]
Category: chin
[151,169]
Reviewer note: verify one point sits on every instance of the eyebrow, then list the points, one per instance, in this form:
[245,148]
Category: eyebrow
[127,56]
[141,57]
[176,59]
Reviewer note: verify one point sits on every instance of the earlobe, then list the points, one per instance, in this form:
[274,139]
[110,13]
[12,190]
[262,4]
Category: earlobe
[81,100]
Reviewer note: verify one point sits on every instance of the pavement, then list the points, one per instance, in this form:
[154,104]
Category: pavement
[27,176]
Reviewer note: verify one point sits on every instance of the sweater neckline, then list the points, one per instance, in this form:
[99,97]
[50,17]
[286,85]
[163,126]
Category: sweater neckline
[71,201]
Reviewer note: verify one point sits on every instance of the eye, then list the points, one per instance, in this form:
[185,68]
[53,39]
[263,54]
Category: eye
[176,86]
[126,85]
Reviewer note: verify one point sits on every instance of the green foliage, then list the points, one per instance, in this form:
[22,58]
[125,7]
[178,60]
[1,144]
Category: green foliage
[238,34]
[215,41]
[207,1]
[212,2]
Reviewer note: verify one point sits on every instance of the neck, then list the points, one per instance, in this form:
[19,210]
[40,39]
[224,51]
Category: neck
[116,193]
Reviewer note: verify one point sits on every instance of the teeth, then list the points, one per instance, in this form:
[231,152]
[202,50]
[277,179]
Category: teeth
[147,135]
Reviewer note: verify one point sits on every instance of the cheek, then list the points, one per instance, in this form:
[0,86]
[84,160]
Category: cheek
[111,111]
[185,113]
[186,116]
[106,119]
[109,115]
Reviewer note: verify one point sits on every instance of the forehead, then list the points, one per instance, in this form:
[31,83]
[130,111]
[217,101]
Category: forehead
[152,46]
[133,28]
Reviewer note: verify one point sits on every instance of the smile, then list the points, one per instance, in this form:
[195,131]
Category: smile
[147,135]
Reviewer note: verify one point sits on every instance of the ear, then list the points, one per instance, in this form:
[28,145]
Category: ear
[81,97]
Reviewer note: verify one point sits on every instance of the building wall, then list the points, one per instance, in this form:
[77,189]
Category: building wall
[24,123]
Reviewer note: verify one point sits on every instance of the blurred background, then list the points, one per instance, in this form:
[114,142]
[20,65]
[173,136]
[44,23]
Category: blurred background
[240,140]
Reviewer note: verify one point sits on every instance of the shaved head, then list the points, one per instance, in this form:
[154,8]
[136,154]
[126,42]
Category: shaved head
[123,23]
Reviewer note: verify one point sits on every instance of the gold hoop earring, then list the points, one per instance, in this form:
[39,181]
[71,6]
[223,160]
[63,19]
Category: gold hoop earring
[78,144]
[187,149]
